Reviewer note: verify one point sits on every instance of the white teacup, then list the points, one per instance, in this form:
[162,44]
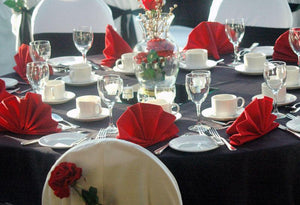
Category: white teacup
[167,107]
[225,105]
[254,61]
[81,72]
[54,90]
[292,77]
[126,62]
[266,91]
[196,58]
[88,106]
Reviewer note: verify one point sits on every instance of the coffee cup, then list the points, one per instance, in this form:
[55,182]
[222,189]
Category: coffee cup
[167,107]
[54,90]
[254,61]
[266,91]
[225,105]
[292,77]
[81,72]
[126,62]
[88,106]
[196,58]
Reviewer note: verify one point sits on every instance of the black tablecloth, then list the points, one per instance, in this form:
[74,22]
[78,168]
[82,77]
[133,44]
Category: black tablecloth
[263,171]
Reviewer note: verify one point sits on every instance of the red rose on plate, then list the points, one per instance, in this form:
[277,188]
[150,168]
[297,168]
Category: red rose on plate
[151,4]
[63,176]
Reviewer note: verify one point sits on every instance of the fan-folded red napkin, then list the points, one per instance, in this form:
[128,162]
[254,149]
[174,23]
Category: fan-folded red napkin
[146,124]
[21,59]
[115,46]
[210,36]
[3,93]
[28,115]
[283,50]
[256,121]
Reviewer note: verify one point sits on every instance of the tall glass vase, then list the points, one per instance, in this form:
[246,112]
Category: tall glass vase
[157,59]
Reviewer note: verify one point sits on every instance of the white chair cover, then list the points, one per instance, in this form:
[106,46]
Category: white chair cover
[266,13]
[124,174]
[180,34]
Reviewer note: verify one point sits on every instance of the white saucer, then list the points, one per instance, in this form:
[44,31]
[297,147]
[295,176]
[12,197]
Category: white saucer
[177,115]
[294,124]
[241,69]
[65,60]
[117,69]
[293,87]
[67,97]
[61,140]
[93,80]
[9,82]
[73,114]
[209,64]
[208,112]
[268,50]
[289,98]
[193,143]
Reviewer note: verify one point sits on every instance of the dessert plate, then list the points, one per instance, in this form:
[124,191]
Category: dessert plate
[208,112]
[209,64]
[289,98]
[193,143]
[61,140]
[241,69]
[68,81]
[294,124]
[117,69]
[67,97]
[65,60]
[74,114]
[9,82]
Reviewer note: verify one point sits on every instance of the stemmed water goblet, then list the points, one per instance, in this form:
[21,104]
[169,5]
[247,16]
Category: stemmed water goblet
[109,88]
[40,50]
[37,74]
[83,39]
[197,87]
[275,77]
[165,91]
[294,40]
[235,30]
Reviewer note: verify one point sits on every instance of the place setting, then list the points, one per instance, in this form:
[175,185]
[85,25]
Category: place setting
[125,64]
[253,64]
[54,92]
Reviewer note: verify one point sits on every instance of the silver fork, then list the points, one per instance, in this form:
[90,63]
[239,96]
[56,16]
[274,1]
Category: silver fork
[290,116]
[214,132]
[205,131]
[101,134]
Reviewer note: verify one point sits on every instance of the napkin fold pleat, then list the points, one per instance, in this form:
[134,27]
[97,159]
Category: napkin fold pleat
[283,50]
[146,124]
[115,46]
[3,93]
[255,121]
[210,36]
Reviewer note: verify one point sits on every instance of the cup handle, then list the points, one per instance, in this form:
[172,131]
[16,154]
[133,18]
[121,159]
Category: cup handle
[242,102]
[71,74]
[119,62]
[98,108]
[177,107]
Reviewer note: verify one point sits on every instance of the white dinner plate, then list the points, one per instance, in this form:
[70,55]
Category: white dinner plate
[74,114]
[9,82]
[67,97]
[93,80]
[289,98]
[268,50]
[65,60]
[209,64]
[61,140]
[127,72]
[241,69]
[294,124]
[193,143]
[208,113]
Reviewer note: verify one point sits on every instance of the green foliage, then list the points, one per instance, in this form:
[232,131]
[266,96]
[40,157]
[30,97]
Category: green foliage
[17,6]
[90,197]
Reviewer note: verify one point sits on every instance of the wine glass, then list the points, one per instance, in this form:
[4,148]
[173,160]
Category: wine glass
[37,74]
[275,76]
[197,87]
[83,39]
[235,30]
[109,88]
[40,50]
[165,91]
[294,40]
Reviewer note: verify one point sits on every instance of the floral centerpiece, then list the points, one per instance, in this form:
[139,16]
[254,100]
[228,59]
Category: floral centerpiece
[65,176]
[157,56]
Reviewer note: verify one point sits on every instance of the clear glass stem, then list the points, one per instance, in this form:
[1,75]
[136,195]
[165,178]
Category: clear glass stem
[84,57]
[198,109]
[110,123]
[275,107]
[298,60]
[236,50]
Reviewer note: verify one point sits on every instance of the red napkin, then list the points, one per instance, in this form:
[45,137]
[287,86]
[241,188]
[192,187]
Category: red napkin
[256,121]
[28,115]
[283,50]
[210,36]
[3,93]
[115,46]
[146,124]
[21,59]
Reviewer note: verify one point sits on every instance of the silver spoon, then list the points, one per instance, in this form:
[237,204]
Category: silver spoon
[58,118]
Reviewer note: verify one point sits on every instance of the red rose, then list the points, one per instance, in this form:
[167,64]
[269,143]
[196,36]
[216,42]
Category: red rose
[141,57]
[64,175]
[151,4]
[165,53]
[159,44]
